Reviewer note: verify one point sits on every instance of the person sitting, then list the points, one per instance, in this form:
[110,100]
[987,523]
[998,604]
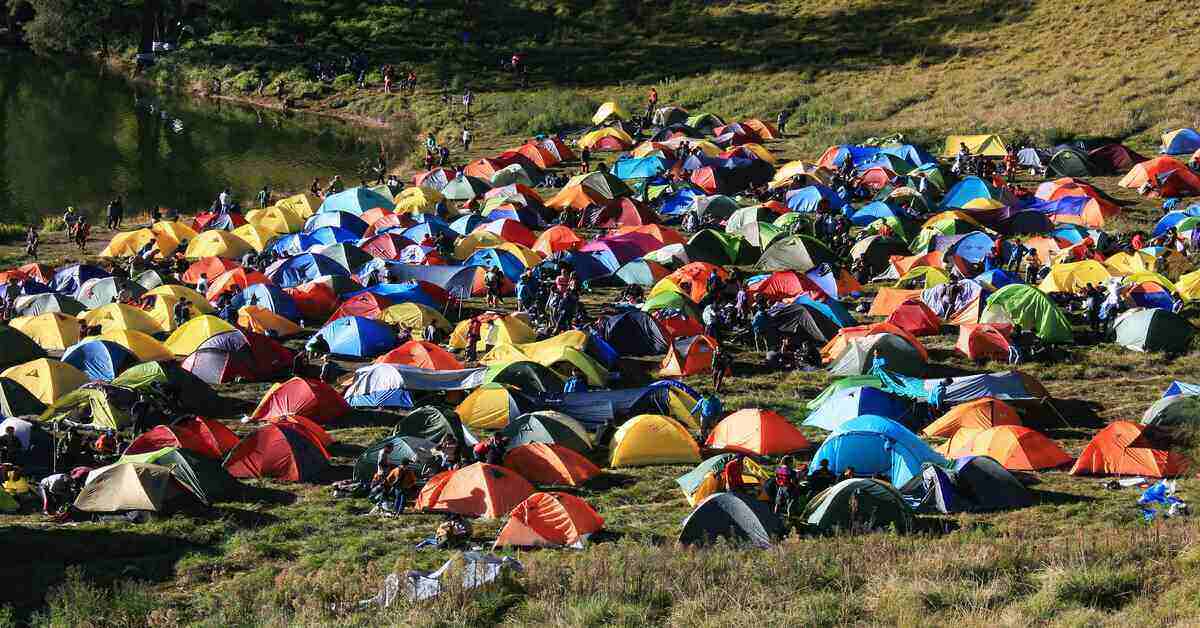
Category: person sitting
[732,474]
[454,532]
[575,383]
[785,484]
[821,479]
[55,491]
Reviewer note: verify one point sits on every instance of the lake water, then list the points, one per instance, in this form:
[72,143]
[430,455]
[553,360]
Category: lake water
[77,135]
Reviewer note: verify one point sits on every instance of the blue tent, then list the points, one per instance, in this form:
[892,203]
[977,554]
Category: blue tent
[401,293]
[874,444]
[831,309]
[524,215]
[457,280]
[995,279]
[679,202]
[967,190]
[345,220]
[1172,218]
[856,154]
[806,199]
[355,201]
[912,154]
[871,212]
[508,263]
[331,235]
[466,224]
[270,297]
[99,359]
[293,244]
[1181,388]
[972,247]
[416,233]
[358,337]
[851,403]
[588,266]
[68,279]
[639,167]
[1182,142]
[698,161]
[293,271]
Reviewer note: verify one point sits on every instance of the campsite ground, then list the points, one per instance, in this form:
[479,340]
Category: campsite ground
[291,554]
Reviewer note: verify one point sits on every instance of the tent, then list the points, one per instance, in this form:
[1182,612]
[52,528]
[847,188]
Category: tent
[1114,158]
[167,379]
[548,427]
[987,485]
[1069,161]
[1180,142]
[688,356]
[916,318]
[415,317]
[876,445]
[355,201]
[1013,446]
[217,243]
[634,333]
[189,336]
[984,145]
[68,279]
[280,452]
[99,359]
[985,341]
[932,491]
[434,424]
[855,401]
[305,397]
[413,452]
[1153,329]
[16,401]
[1176,409]
[421,354]
[1166,177]
[104,406]
[860,354]
[1124,448]
[27,337]
[204,478]
[733,517]
[125,487]
[47,380]
[357,337]
[550,464]
[492,406]
[203,437]
[524,375]
[650,439]
[38,304]
[795,252]
[263,321]
[549,520]
[758,433]
[858,504]
[1030,308]
[101,291]
[978,414]
[803,319]
[479,490]
[609,111]
[1074,277]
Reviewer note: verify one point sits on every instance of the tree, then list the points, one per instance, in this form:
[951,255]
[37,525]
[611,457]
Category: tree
[69,26]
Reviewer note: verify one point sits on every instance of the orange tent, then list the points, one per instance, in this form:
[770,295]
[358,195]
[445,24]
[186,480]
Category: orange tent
[549,520]
[903,264]
[838,344]
[1015,447]
[979,414]
[239,278]
[688,356]
[916,318]
[1122,448]
[480,490]
[539,155]
[666,235]
[1045,248]
[209,268]
[1167,176]
[576,196]
[693,278]
[557,238]
[757,433]
[421,354]
[551,464]
[984,341]
[764,130]
[888,299]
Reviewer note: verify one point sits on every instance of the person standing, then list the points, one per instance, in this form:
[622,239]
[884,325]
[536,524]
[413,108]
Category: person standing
[710,411]
[466,139]
[782,120]
[225,198]
[31,242]
[467,99]
[264,196]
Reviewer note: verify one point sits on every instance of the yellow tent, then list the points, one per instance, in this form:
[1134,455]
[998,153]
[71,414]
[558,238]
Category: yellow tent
[277,220]
[199,303]
[513,329]
[488,407]
[254,235]
[163,312]
[418,200]
[1149,277]
[1074,277]
[983,204]
[666,284]
[192,334]
[52,330]
[680,405]
[526,255]
[301,204]
[608,111]
[952,215]
[1124,263]
[141,345]
[475,241]
[128,243]
[264,321]
[46,379]
[415,317]
[171,234]
[798,167]
[1188,286]
[591,138]
[561,353]
[217,243]
[986,145]
[760,151]
[118,316]
[652,439]
[922,277]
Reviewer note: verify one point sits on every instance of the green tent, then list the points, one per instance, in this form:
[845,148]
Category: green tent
[128,487]
[549,427]
[525,376]
[434,424]
[15,400]
[1173,410]
[169,380]
[18,348]
[858,503]
[92,402]
[691,480]
[715,208]
[669,299]
[1153,329]
[413,452]
[785,222]
[705,121]
[206,479]
[838,385]
[731,516]
[796,252]
[1071,162]
[1030,308]
[754,225]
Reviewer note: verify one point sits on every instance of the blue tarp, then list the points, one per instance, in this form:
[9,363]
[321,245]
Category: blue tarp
[456,280]
[871,212]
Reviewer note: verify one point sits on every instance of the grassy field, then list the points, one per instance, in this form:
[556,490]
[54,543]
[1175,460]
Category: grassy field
[292,555]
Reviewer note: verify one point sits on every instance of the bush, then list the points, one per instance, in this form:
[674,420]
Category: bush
[344,82]
[78,602]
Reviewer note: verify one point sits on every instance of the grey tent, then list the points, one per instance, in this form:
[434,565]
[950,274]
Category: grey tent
[127,486]
[800,319]
[1032,158]
[1069,161]
[987,485]
[18,348]
[730,516]
[413,452]
[858,503]
[433,424]
[1153,329]
[860,354]
[151,279]
[35,304]
[548,427]
[876,251]
[795,252]
[1173,410]
[101,291]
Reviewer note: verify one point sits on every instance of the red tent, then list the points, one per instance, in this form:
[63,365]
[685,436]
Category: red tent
[307,397]
[539,155]
[204,437]
[279,452]
[365,304]
[984,341]
[624,212]
[315,299]
[509,230]
[386,245]
[916,318]
[308,427]
[785,284]
[1122,448]
[706,179]
[210,220]
[209,268]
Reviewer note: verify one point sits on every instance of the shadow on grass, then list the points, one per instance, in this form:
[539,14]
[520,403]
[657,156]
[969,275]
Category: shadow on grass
[1057,498]
[244,518]
[252,494]
[609,480]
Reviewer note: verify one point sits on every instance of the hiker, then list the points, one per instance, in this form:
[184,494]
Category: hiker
[651,104]
[781,121]
[226,200]
[467,99]
[181,312]
[785,486]
[821,479]
[55,491]
[585,158]
[466,139]
[315,187]
[31,242]
[111,220]
[575,383]
[493,283]
[329,370]
[732,474]
[762,327]
[335,185]
[722,366]
[264,196]
[474,331]
[710,411]
[10,446]
[82,230]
